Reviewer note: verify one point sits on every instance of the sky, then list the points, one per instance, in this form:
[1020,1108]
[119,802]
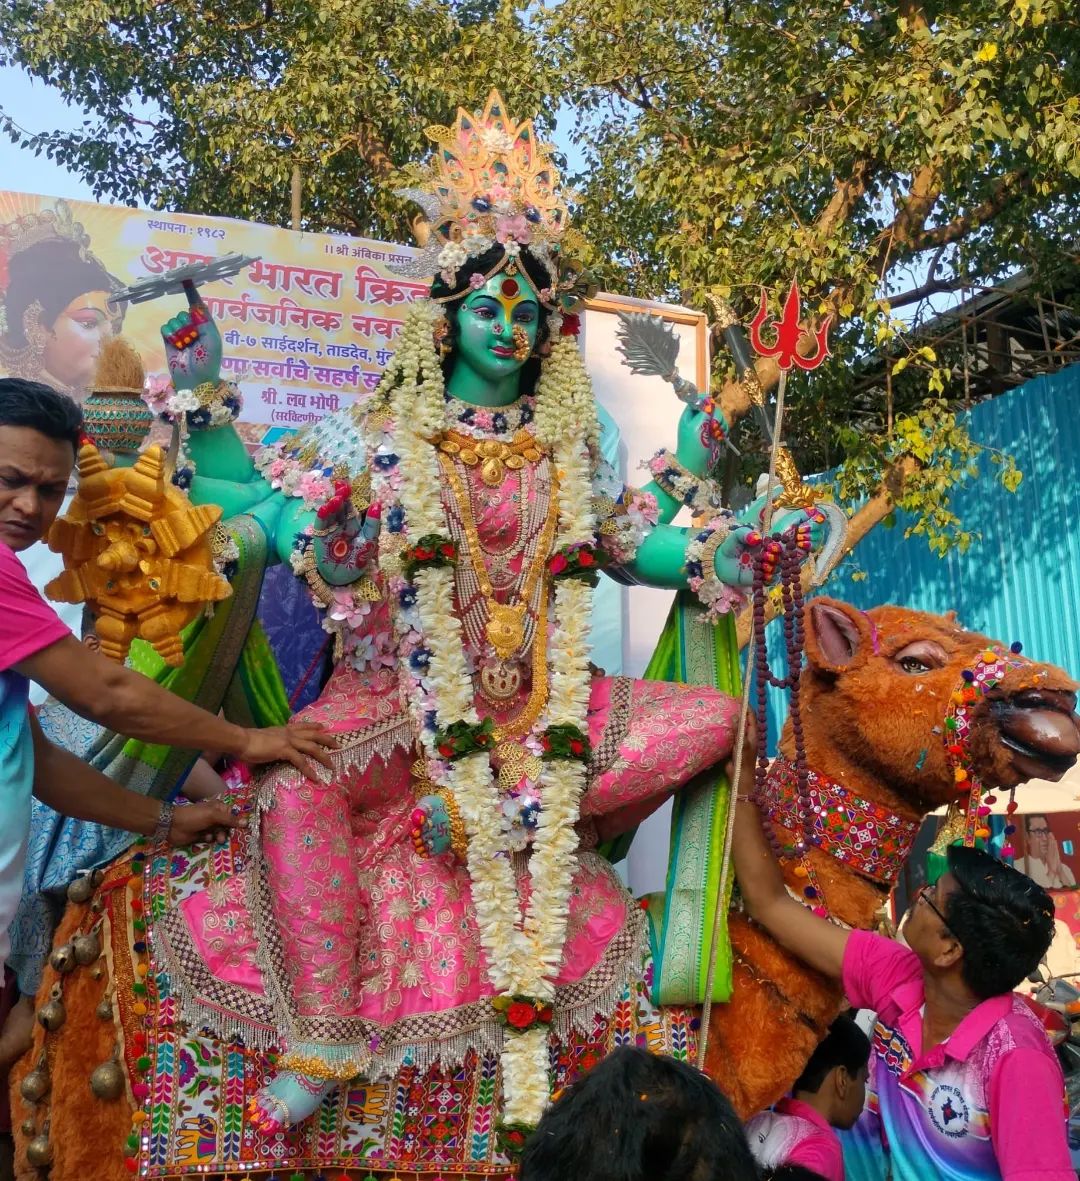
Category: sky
[36,107]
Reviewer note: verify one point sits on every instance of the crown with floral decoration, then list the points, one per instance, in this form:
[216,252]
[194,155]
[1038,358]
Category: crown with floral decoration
[492,182]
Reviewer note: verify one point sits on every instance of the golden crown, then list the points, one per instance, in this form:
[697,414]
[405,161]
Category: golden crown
[491,182]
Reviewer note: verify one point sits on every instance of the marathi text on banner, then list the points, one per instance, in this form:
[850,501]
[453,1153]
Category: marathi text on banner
[306,329]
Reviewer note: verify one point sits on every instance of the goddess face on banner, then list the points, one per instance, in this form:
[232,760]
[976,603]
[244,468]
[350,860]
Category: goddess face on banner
[54,301]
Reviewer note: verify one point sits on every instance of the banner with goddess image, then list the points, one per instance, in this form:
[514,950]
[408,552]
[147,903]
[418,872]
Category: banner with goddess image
[306,329]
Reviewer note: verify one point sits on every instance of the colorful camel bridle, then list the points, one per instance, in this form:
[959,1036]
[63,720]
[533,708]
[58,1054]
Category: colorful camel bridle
[989,670]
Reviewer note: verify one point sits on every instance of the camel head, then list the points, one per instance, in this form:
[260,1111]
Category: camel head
[885,689]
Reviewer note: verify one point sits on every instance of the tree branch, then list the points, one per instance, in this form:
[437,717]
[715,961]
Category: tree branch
[1012,185]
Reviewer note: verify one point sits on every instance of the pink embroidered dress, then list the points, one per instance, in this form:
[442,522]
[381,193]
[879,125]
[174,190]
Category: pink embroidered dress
[337,935]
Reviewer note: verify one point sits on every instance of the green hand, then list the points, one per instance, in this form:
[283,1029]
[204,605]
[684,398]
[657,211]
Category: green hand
[192,347]
[434,825]
[689,449]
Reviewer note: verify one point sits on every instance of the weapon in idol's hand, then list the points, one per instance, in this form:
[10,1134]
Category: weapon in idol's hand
[650,348]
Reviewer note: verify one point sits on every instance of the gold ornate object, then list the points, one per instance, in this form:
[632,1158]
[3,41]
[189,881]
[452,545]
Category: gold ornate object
[952,830]
[138,553]
[493,457]
[516,762]
[522,348]
[505,627]
[723,314]
[752,386]
[318,1068]
[796,494]
[501,680]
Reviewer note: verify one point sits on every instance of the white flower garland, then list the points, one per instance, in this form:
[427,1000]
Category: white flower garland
[523,956]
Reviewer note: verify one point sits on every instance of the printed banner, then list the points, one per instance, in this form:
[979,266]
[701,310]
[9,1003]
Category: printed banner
[306,329]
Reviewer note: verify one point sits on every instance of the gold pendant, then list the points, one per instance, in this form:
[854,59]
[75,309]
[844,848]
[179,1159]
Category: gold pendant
[502,681]
[516,763]
[505,628]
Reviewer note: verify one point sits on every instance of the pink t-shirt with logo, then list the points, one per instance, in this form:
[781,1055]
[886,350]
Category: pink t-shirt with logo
[986,1103]
[794,1133]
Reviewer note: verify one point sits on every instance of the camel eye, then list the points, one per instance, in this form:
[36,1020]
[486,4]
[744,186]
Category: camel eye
[913,665]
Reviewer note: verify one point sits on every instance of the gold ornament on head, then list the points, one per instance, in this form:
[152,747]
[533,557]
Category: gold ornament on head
[492,182]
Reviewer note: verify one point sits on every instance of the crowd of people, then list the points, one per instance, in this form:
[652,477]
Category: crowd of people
[958,1073]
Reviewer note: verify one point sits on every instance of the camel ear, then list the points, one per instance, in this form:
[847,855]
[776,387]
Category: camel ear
[838,636]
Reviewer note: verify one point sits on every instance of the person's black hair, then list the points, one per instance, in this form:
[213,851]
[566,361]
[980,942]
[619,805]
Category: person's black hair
[1002,919]
[639,1117]
[538,276]
[844,1045]
[791,1173]
[51,273]
[37,406]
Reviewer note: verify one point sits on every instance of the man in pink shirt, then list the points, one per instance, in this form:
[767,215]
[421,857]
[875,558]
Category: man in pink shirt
[963,1081]
[829,1094]
[39,436]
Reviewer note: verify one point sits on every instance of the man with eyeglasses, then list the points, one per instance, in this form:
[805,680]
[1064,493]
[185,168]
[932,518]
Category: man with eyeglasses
[963,1081]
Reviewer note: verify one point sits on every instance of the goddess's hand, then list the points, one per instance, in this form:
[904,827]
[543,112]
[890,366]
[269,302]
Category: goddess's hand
[431,826]
[192,347]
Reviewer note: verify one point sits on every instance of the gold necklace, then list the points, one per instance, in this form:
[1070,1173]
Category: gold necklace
[492,456]
[505,627]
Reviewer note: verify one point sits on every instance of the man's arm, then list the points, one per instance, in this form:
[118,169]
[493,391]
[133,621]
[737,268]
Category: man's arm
[73,788]
[119,699]
[817,941]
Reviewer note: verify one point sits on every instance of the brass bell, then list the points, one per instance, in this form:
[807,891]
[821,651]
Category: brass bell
[107,1081]
[52,1014]
[39,1152]
[81,890]
[28,1127]
[63,959]
[35,1086]
[87,948]
[96,972]
[97,877]
[104,1008]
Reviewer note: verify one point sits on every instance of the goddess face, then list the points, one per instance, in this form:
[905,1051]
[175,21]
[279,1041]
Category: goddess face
[75,338]
[486,322]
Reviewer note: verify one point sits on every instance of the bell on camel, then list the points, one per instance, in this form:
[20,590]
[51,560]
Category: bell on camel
[39,1151]
[104,1008]
[87,948]
[63,959]
[80,890]
[35,1086]
[28,1127]
[107,1081]
[52,1013]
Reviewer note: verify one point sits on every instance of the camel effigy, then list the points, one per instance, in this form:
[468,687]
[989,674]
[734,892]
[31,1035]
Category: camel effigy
[397,965]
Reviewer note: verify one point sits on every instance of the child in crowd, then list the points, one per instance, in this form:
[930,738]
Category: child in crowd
[639,1117]
[829,1094]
